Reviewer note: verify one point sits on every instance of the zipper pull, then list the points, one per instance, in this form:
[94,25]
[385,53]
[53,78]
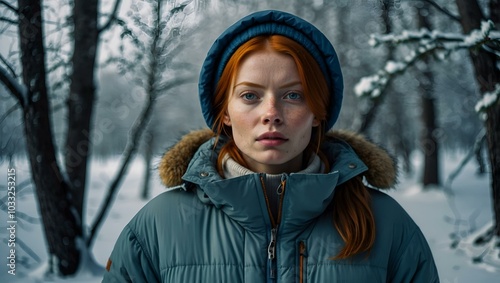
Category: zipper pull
[302,249]
[271,252]
[271,249]
[280,189]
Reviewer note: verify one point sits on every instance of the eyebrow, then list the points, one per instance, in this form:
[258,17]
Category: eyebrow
[250,84]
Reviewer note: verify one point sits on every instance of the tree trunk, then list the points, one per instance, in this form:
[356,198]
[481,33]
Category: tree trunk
[61,230]
[487,76]
[368,117]
[428,142]
[493,137]
[81,98]
[395,127]
[148,156]
[400,146]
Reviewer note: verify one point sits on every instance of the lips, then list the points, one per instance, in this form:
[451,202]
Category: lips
[272,136]
[272,139]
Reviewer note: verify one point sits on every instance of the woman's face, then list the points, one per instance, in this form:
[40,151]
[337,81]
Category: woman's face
[270,120]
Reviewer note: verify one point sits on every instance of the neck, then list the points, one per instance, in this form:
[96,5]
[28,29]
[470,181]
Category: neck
[294,165]
[231,168]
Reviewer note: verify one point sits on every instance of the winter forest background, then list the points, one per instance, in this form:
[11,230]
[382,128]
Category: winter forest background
[93,92]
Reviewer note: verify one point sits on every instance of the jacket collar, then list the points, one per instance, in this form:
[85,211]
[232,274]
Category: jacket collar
[242,198]
[381,172]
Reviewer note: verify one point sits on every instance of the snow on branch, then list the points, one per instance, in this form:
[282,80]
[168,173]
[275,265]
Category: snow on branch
[426,43]
[448,40]
[373,86]
[489,99]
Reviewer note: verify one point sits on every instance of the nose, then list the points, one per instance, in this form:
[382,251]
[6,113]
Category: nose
[273,113]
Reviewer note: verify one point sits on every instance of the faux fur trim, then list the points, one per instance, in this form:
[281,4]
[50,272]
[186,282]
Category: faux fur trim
[180,155]
[382,168]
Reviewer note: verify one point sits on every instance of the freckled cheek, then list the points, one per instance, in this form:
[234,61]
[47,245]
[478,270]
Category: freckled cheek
[242,115]
[241,133]
[301,119]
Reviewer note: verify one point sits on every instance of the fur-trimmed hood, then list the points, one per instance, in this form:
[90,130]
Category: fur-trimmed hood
[381,173]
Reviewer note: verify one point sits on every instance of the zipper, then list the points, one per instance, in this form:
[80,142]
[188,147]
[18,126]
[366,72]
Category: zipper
[281,193]
[302,259]
[271,253]
[271,248]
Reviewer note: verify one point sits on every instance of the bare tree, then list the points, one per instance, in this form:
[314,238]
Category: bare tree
[60,194]
[154,57]
[428,140]
[81,98]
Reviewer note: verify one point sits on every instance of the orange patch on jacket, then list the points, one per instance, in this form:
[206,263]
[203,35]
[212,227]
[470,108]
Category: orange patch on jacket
[108,264]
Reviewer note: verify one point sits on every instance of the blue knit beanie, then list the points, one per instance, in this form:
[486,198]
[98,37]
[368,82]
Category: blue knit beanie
[271,22]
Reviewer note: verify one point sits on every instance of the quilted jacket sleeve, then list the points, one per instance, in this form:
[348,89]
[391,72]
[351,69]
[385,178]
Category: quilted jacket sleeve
[129,262]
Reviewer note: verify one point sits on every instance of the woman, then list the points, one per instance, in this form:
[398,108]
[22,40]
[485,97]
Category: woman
[267,195]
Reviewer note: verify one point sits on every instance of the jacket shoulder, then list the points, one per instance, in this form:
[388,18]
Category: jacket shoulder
[409,256]
[391,217]
[164,209]
[136,254]
[383,203]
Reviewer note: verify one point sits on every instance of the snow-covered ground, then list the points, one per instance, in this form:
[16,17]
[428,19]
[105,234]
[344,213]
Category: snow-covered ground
[443,220]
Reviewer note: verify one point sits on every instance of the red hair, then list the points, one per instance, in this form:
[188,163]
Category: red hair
[356,227]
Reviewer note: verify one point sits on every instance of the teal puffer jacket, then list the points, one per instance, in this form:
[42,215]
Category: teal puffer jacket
[210,229]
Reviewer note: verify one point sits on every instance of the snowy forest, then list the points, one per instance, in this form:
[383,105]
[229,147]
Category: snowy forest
[98,90]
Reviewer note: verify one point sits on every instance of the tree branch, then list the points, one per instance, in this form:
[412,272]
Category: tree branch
[7,20]
[13,73]
[443,10]
[162,89]
[112,17]
[128,153]
[6,114]
[18,90]
[488,100]
[477,144]
[135,134]
[10,7]
[428,43]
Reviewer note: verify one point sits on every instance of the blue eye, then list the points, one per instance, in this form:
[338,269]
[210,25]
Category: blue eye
[293,95]
[249,96]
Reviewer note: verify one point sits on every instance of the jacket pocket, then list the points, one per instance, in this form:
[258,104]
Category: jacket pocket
[302,262]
